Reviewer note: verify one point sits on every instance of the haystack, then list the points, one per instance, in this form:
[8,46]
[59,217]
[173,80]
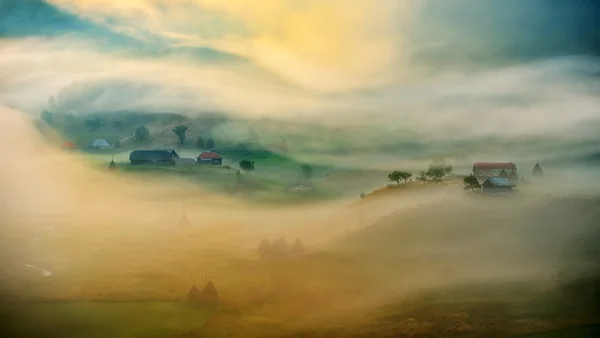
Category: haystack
[297,248]
[210,295]
[194,295]
[537,170]
[263,247]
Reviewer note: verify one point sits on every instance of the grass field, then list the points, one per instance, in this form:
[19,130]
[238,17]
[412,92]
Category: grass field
[100,319]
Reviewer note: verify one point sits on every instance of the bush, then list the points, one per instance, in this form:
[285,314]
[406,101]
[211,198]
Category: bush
[247,165]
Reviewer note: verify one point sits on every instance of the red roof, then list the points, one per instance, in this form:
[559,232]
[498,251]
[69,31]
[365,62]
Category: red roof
[489,165]
[209,155]
[69,145]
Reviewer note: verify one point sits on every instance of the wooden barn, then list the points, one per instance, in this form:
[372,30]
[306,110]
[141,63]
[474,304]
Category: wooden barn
[154,157]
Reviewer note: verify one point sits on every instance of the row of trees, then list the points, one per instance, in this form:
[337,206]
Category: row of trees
[142,134]
[435,173]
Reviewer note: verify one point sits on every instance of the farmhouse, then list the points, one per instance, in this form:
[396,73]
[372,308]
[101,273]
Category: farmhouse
[210,158]
[484,170]
[497,185]
[154,157]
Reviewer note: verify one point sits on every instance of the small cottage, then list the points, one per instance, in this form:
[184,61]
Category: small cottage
[497,186]
[154,157]
[210,158]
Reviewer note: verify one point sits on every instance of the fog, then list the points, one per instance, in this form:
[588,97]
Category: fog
[86,226]
[364,89]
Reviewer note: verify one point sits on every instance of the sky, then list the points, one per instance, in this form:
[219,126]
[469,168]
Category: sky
[443,69]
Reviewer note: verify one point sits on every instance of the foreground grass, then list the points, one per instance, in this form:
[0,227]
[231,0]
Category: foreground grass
[99,319]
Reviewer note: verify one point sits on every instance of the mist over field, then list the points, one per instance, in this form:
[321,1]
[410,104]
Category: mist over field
[356,90]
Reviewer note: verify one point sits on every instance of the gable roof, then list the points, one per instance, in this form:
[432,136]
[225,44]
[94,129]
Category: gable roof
[498,182]
[209,155]
[100,143]
[152,155]
[492,165]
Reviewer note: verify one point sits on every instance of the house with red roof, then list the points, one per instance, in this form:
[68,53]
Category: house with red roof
[485,170]
[210,158]
[69,146]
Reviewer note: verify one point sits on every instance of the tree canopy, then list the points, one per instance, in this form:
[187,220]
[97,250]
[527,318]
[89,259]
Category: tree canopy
[397,176]
[247,165]
[200,143]
[471,182]
[180,131]
[142,133]
[210,143]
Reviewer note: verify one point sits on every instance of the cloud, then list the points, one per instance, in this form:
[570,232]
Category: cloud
[331,46]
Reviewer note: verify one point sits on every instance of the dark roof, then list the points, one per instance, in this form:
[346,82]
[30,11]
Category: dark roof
[489,165]
[209,155]
[499,182]
[152,155]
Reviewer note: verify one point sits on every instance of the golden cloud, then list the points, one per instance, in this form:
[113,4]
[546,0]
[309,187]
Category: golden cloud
[332,45]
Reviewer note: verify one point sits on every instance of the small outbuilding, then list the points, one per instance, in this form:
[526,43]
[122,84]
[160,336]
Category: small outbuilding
[100,144]
[497,186]
[209,158]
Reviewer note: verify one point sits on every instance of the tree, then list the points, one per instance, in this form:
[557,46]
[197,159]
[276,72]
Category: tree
[471,182]
[436,174]
[47,116]
[200,143]
[448,170]
[394,176]
[422,176]
[142,133]
[180,132]
[307,172]
[247,165]
[405,176]
[397,176]
[210,143]
[93,124]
